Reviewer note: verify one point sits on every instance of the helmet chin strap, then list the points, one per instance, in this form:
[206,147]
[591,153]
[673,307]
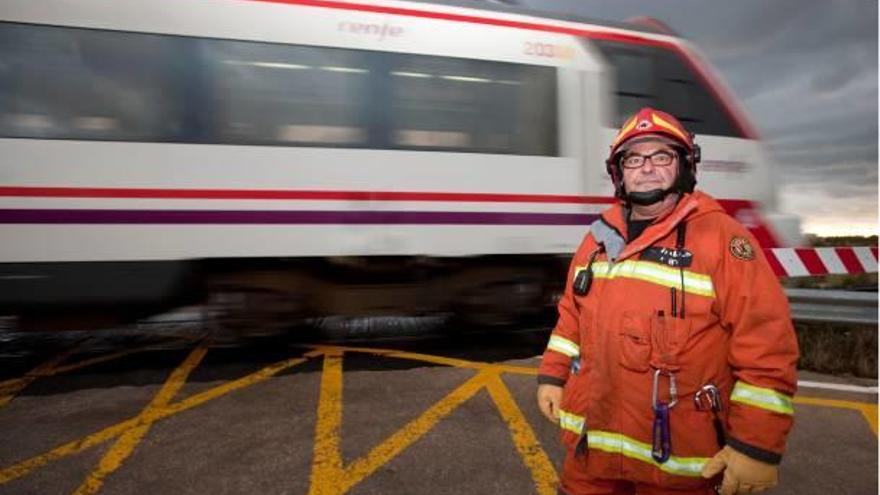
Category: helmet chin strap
[644,198]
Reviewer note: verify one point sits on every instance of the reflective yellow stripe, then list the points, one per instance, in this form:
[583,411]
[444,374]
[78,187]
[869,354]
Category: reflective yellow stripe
[571,422]
[563,346]
[628,126]
[668,126]
[763,398]
[615,443]
[648,271]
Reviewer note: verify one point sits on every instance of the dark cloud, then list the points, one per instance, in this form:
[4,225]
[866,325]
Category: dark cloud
[806,74]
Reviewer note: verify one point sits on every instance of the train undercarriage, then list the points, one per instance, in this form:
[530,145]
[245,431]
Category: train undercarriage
[272,295]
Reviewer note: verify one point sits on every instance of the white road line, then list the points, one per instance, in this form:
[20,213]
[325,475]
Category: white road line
[837,386]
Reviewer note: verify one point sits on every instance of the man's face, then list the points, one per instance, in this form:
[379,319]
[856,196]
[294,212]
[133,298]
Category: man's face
[650,175]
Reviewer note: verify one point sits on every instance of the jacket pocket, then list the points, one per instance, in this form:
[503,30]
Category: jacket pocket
[669,336]
[635,342]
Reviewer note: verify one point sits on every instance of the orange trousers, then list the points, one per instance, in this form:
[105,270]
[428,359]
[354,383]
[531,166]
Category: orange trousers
[576,482]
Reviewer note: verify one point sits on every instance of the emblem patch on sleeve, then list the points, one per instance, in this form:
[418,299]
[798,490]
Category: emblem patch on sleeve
[741,248]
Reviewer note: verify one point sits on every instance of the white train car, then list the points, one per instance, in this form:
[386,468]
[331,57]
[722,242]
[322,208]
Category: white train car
[152,151]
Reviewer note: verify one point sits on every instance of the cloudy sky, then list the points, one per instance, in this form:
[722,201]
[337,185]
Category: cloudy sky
[806,73]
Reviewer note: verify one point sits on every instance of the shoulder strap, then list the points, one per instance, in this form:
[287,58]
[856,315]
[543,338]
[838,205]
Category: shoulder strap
[681,230]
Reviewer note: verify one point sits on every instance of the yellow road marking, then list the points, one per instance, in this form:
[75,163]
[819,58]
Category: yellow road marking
[24,467]
[327,460]
[524,438]
[9,388]
[445,361]
[330,476]
[868,410]
[116,355]
[147,417]
[129,440]
[818,401]
[441,360]
[414,430]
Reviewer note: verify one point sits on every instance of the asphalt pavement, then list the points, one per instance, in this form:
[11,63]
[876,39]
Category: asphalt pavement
[174,411]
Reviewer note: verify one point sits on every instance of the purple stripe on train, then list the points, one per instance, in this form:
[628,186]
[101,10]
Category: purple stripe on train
[99,216]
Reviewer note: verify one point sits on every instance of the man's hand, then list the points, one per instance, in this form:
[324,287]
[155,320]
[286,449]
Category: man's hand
[549,398]
[742,474]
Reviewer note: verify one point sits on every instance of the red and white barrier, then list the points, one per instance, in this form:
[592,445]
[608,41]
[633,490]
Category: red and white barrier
[805,262]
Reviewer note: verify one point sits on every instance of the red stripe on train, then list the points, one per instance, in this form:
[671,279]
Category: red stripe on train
[473,19]
[291,194]
[761,231]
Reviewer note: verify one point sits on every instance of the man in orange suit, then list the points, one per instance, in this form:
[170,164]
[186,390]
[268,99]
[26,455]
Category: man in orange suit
[671,369]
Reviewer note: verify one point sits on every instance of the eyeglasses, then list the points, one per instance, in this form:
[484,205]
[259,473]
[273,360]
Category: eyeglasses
[660,158]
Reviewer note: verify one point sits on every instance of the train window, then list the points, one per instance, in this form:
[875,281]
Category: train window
[657,77]
[81,84]
[70,83]
[472,105]
[283,94]
[635,86]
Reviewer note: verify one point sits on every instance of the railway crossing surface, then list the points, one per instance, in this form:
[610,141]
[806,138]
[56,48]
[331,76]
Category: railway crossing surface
[181,415]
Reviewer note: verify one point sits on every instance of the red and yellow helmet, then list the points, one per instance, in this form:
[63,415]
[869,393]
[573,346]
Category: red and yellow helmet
[651,123]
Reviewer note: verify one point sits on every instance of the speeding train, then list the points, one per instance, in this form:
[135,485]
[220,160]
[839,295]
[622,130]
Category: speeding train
[286,158]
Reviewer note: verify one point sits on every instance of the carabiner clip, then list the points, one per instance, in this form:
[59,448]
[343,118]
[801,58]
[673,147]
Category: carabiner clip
[708,398]
[673,389]
[661,442]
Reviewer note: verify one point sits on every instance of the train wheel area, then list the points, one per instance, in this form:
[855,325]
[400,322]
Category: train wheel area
[178,414]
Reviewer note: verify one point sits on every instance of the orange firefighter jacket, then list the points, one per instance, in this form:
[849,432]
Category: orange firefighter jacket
[708,312]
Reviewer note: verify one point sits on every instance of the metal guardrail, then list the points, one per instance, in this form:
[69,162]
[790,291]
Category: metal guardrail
[833,306]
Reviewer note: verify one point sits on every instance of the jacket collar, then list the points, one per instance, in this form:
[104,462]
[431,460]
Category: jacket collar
[615,218]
